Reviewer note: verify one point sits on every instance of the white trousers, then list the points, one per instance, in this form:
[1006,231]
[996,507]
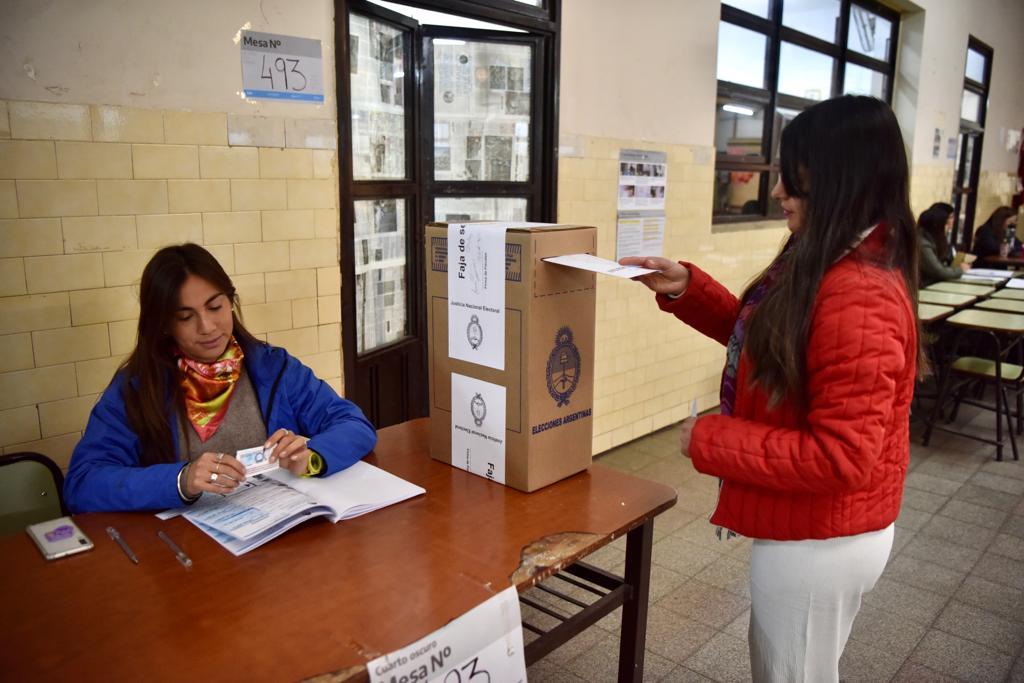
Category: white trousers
[804,597]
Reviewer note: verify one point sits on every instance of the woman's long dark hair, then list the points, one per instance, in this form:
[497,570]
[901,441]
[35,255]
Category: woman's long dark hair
[998,221]
[845,157]
[150,393]
[932,222]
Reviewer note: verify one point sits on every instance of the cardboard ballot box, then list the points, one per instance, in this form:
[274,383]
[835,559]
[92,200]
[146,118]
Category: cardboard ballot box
[548,371]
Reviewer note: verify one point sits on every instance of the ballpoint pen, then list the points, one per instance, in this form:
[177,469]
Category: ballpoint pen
[185,560]
[112,532]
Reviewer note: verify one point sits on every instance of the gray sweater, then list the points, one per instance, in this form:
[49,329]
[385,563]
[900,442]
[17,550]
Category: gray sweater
[932,269]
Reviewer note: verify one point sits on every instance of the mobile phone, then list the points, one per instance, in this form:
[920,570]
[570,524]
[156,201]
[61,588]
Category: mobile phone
[59,538]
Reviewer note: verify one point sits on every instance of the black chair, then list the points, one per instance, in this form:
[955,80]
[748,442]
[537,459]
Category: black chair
[31,490]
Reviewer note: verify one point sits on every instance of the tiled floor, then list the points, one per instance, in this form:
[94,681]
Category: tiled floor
[950,605]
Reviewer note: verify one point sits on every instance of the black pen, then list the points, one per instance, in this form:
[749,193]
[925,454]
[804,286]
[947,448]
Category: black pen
[185,560]
[112,532]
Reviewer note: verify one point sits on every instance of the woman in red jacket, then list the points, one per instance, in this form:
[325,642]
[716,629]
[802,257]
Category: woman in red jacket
[811,446]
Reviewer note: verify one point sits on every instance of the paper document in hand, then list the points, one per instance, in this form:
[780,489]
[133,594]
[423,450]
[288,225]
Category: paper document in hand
[278,501]
[597,264]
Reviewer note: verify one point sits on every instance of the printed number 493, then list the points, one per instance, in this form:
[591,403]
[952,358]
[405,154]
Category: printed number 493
[456,675]
[284,67]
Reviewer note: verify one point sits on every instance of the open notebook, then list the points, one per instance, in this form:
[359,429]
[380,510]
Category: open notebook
[270,504]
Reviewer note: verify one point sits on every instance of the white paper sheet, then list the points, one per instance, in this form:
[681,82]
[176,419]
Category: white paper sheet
[484,644]
[990,272]
[599,265]
[476,293]
[1015,283]
[478,427]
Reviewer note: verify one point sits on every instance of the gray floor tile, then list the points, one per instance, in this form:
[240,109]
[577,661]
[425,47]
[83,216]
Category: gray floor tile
[942,552]
[862,662]
[912,672]
[601,663]
[912,518]
[999,569]
[626,459]
[583,642]
[1017,672]
[674,637]
[729,574]
[990,518]
[673,519]
[961,533]
[901,537]
[923,500]
[993,597]
[1007,468]
[913,603]
[724,658]
[1008,546]
[923,574]
[972,623]
[979,495]
[670,471]
[887,631]
[682,556]
[961,658]
[740,626]
[946,470]
[547,672]
[681,674]
[999,483]
[1014,526]
[663,582]
[705,603]
[926,482]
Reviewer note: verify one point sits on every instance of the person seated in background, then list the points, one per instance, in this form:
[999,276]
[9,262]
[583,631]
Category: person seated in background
[197,387]
[934,225]
[991,236]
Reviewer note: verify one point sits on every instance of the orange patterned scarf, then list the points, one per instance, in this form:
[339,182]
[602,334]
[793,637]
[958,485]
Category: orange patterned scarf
[208,388]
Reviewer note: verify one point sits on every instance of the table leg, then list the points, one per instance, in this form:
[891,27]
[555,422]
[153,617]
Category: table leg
[634,609]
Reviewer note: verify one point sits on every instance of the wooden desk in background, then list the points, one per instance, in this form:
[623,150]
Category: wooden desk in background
[323,598]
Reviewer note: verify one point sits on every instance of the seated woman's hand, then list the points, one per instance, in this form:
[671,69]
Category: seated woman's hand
[670,279]
[290,451]
[214,472]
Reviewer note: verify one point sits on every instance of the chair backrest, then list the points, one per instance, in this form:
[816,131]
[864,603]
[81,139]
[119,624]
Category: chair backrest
[31,490]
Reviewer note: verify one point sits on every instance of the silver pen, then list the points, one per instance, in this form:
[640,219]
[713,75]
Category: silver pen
[112,532]
[185,560]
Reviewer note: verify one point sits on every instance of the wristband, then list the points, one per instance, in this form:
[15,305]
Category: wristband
[183,473]
[314,466]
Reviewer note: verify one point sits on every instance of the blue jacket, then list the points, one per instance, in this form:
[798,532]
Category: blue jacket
[105,474]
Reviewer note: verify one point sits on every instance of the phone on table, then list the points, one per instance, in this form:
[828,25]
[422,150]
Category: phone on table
[59,538]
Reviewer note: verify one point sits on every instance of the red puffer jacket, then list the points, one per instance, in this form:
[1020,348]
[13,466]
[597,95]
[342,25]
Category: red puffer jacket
[836,469]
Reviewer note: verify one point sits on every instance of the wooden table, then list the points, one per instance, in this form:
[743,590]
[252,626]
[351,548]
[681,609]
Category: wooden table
[323,598]
[929,296]
[1005,330]
[1001,304]
[929,313]
[961,288]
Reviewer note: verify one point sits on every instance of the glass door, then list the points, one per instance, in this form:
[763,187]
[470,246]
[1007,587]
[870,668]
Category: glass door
[382,318]
[965,184]
[484,93]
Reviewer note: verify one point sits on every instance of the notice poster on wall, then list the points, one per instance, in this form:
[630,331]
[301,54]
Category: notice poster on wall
[639,235]
[276,67]
[643,178]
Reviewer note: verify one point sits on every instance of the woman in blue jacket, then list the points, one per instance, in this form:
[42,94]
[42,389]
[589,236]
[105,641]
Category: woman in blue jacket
[197,388]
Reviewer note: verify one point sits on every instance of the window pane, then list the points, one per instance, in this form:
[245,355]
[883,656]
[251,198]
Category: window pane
[464,209]
[533,3]
[481,110]
[378,106]
[741,55]
[804,73]
[819,18]
[975,66]
[970,106]
[758,7]
[739,128]
[861,81]
[379,253]
[869,34]
[782,118]
[737,193]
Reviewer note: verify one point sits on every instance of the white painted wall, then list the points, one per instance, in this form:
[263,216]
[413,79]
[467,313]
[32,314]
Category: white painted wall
[152,53]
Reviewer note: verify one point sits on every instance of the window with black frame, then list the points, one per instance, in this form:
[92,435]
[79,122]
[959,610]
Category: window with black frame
[776,58]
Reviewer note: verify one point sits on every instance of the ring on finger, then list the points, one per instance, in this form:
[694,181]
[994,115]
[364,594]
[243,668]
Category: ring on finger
[218,468]
[213,477]
[220,457]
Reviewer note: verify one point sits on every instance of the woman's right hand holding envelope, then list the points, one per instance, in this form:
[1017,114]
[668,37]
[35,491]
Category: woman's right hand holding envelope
[671,278]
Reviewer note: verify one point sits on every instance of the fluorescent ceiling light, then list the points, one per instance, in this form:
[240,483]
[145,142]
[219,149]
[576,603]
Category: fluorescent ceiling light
[737,109]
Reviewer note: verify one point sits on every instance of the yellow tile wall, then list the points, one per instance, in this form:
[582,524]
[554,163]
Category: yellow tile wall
[89,192]
[649,366]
